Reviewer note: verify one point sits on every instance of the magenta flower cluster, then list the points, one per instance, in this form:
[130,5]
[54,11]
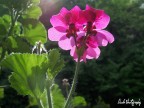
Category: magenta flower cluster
[81,31]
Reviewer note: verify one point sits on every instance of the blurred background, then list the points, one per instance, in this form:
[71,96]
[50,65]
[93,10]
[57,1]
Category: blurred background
[119,71]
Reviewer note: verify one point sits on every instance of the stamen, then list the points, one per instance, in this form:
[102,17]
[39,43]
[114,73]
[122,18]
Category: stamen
[71,31]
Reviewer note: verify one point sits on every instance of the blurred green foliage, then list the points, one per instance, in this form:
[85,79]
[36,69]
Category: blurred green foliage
[1,92]
[79,101]
[118,73]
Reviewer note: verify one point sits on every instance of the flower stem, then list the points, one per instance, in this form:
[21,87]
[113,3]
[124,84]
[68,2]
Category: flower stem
[49,97]
[67,91]
[73,85]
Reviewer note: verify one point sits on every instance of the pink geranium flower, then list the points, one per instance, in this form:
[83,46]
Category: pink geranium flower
[81,31]
[65,27]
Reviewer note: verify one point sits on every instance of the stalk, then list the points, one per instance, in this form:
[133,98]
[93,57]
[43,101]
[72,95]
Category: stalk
[73,85]
[49,97]
[14,17]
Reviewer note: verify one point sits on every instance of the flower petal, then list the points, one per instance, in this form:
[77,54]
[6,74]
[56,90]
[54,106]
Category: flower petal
[102,19]
[64,11]
[97,50]
[59,19]
[108,36]
[86,16]
[74,14]
[92,42]
[101,40]
[89,57]
[60,29]
[89,7]
[54,35]
[72,51]
[99,17]
[56,20]
[66,43]
[90,52]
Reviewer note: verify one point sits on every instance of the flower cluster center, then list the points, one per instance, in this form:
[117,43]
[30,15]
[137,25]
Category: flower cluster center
[71,31]
[90,28]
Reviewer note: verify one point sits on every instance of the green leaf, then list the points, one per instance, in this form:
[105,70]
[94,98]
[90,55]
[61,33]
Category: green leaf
[5,21]
[32,101]
[4,26]
[79,101]
[3,30]
[1,92]
[35,33]
[55,63]
[58,98]
[28,76]
[44,100]
[18,44]
[17,29]
[36,1]
[32,12]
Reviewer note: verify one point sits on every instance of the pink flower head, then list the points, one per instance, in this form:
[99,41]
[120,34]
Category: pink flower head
[65,27]
[81,31]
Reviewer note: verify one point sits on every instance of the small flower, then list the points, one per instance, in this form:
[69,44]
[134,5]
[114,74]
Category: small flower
[98,18]
[65,27]
[39,47]
[94,21]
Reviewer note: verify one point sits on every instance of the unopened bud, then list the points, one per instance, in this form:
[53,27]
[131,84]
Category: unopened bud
[65,82]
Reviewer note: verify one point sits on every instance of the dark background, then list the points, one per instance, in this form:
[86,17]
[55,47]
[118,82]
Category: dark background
[119,71]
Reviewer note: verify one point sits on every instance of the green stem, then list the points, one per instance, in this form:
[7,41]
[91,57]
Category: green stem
[39,104]
[73,85]
[38,100]
[49,97]
[14,17]
[67,91]
[38,48]
[13,20]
